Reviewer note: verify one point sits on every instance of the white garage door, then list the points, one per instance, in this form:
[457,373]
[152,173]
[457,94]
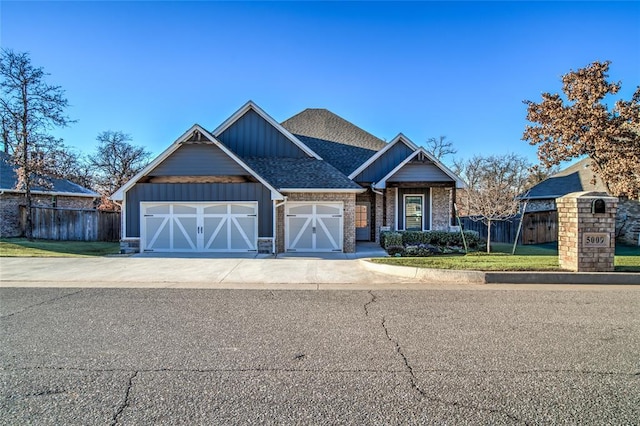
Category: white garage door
[201,227]
[313,227]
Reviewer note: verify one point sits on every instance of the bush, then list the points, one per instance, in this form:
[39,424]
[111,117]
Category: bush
[427,243]
[392,239]
[395,250]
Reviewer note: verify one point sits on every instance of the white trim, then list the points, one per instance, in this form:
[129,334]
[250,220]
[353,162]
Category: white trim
[251,105]
[119,194]
[123,220]
[400,138]
[382,183]
[404,210]
[320,190]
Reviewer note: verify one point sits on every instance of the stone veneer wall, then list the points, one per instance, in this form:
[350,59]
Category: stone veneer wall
[440,209]
[10,209]
[391,207]
[349,216]
[379,216]
[574,220]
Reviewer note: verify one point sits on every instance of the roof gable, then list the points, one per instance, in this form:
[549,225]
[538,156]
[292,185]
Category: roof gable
[575,178]
[433,162]
[196,132]
[379,164]
[56,186]
[323,124]
[251,132]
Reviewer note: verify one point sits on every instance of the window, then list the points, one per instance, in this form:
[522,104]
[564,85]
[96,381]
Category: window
[361,216]
[413,207]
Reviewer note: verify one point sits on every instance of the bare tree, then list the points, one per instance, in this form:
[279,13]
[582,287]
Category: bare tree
[116,161]
[493,182]
[29,109]
[584,125]
[440,147]
[67,163]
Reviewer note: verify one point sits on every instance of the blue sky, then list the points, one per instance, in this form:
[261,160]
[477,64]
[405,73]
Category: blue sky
[460,69]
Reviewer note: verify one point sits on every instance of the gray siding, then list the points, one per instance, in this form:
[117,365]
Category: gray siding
[384,164]
[426,207]
[420,172]
[253,136]
[198,160]
[191,192]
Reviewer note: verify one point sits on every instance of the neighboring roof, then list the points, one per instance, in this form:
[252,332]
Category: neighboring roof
[323,124]
[9,179]
[250,105]
[576,178]
[199,131]
[301,173]
[345,158]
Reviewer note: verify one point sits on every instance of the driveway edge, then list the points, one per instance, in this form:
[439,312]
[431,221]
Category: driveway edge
[480,277]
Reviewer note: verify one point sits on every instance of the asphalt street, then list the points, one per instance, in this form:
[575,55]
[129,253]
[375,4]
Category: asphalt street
[106,356]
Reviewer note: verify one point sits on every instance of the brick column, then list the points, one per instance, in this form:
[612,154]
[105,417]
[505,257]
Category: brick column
[586,236]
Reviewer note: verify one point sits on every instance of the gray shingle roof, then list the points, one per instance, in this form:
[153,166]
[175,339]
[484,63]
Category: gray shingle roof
[323,124]
[576,178]
[303,173]
[345,158]
[8,180]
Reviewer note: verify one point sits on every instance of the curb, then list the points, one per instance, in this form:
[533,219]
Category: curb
[480,277]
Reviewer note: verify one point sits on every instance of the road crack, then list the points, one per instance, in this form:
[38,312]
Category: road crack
[125,402]
[423,394]
[40,304]
[374,299]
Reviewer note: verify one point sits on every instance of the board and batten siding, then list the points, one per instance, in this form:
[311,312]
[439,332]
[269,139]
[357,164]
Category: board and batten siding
[419,172]
[204,159]
[198,192]
[382,165]
[252,136]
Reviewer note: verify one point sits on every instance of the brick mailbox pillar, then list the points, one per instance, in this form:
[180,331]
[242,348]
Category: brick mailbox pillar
[586,231]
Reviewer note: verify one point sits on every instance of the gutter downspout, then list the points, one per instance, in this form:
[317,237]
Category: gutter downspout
[275,208]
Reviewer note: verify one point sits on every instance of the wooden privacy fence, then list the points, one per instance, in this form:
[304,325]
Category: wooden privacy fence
[501,231]
[63,224]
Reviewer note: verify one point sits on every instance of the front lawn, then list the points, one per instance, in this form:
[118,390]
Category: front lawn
[542,257]
[21,247]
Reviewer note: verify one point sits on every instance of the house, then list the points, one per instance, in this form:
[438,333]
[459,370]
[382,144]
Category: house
[312,183]
[58,193]
[540,219]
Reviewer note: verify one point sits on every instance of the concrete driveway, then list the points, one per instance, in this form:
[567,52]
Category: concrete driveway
[197,270]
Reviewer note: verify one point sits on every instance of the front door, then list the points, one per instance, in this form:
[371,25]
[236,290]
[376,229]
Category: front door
[363,223]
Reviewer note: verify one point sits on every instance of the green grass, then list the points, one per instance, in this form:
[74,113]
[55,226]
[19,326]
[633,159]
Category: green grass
[543,257]
[21,247]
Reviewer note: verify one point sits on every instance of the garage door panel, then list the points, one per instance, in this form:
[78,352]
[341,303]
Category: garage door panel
[158,234]
[314,227]
[243,233]
[329,239]
[185,233]
[199,226]
[219,240]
